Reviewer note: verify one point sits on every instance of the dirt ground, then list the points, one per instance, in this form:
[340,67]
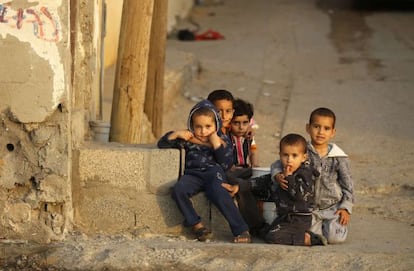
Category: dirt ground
[300,54]
[381,234]
[380,238]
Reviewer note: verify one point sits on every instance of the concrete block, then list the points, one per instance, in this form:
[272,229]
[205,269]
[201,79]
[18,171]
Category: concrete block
[122,187]
[118,187]
[162,170]
[109,209]
[138,167]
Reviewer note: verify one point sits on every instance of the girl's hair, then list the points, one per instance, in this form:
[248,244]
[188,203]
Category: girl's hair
[293,140]
[324,112]
[220,94]
[242,108]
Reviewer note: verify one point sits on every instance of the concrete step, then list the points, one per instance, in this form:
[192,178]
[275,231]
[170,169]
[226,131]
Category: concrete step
[120,187]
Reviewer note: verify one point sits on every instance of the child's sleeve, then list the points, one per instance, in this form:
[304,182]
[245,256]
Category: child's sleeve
[275,168]
[346,183]
[165,143]
[300,185]
[253,154]
[224,154]
[253,145]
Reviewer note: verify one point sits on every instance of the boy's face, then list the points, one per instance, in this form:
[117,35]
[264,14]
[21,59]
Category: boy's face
[321,130]
[203,127]
[292,156]
[225,108]
[239,125]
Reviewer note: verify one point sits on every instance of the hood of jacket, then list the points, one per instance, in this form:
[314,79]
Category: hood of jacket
[204,104]
[333,150]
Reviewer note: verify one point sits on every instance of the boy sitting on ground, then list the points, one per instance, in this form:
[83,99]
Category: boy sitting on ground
[334,194]
[294,204]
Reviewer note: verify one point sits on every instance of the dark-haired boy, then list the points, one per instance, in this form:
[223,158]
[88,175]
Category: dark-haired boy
[237,176]
[295,203]
[334,196]
[244,147]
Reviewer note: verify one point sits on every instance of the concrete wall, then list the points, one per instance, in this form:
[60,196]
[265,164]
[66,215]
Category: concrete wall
[35,195]
[52,177]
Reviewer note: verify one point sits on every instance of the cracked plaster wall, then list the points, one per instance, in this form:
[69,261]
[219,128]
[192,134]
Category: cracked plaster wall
[35,190]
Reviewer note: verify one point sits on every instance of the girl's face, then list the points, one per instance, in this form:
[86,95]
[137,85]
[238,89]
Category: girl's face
[203,127]
[239,125]
[321,130]
[292,156]
[225,108]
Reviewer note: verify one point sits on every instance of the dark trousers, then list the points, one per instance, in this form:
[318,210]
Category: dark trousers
[289,229]
[210,182]
[246,200]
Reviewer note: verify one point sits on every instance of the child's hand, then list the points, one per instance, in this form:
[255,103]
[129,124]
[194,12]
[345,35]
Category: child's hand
[281,179]
[215,140]
[344,216]
[288,171]
[233,189]
[249,133]
[182,134]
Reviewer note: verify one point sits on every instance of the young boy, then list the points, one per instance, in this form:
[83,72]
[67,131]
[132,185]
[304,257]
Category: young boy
[295,204]
[334,188]
[208,154]
[224,101]
[244,149]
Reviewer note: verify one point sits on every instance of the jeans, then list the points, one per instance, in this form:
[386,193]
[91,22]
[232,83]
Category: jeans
[208,181]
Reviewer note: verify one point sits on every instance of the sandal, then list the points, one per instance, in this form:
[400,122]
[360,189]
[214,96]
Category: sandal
[203,234]
[317,240]
[243,238]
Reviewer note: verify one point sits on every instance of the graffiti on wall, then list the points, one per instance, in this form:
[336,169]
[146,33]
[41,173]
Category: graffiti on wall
[39,26]
[44,25]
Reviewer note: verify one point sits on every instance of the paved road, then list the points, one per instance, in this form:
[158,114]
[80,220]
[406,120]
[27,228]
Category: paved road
[289,57]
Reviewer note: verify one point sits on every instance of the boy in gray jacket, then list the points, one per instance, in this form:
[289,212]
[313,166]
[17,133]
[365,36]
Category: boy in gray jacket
[334,195]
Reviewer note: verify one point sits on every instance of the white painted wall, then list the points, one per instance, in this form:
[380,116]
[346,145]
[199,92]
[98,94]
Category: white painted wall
[32,76]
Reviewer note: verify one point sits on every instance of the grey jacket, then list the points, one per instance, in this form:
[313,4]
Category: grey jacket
[334,185]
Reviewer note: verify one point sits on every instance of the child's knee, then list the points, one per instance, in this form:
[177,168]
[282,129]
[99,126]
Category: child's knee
[178,190]
[335,232]
[336,239]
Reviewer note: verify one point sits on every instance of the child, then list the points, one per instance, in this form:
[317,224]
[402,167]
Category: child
[208,155]
[245,157]
[295,204]
[244,149]
[224,101]
[334,188]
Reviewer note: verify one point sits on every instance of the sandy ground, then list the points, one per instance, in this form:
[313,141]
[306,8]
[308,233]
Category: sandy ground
[288,57]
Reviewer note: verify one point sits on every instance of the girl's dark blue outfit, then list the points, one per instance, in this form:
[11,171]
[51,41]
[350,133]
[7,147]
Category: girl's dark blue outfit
[205,171]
